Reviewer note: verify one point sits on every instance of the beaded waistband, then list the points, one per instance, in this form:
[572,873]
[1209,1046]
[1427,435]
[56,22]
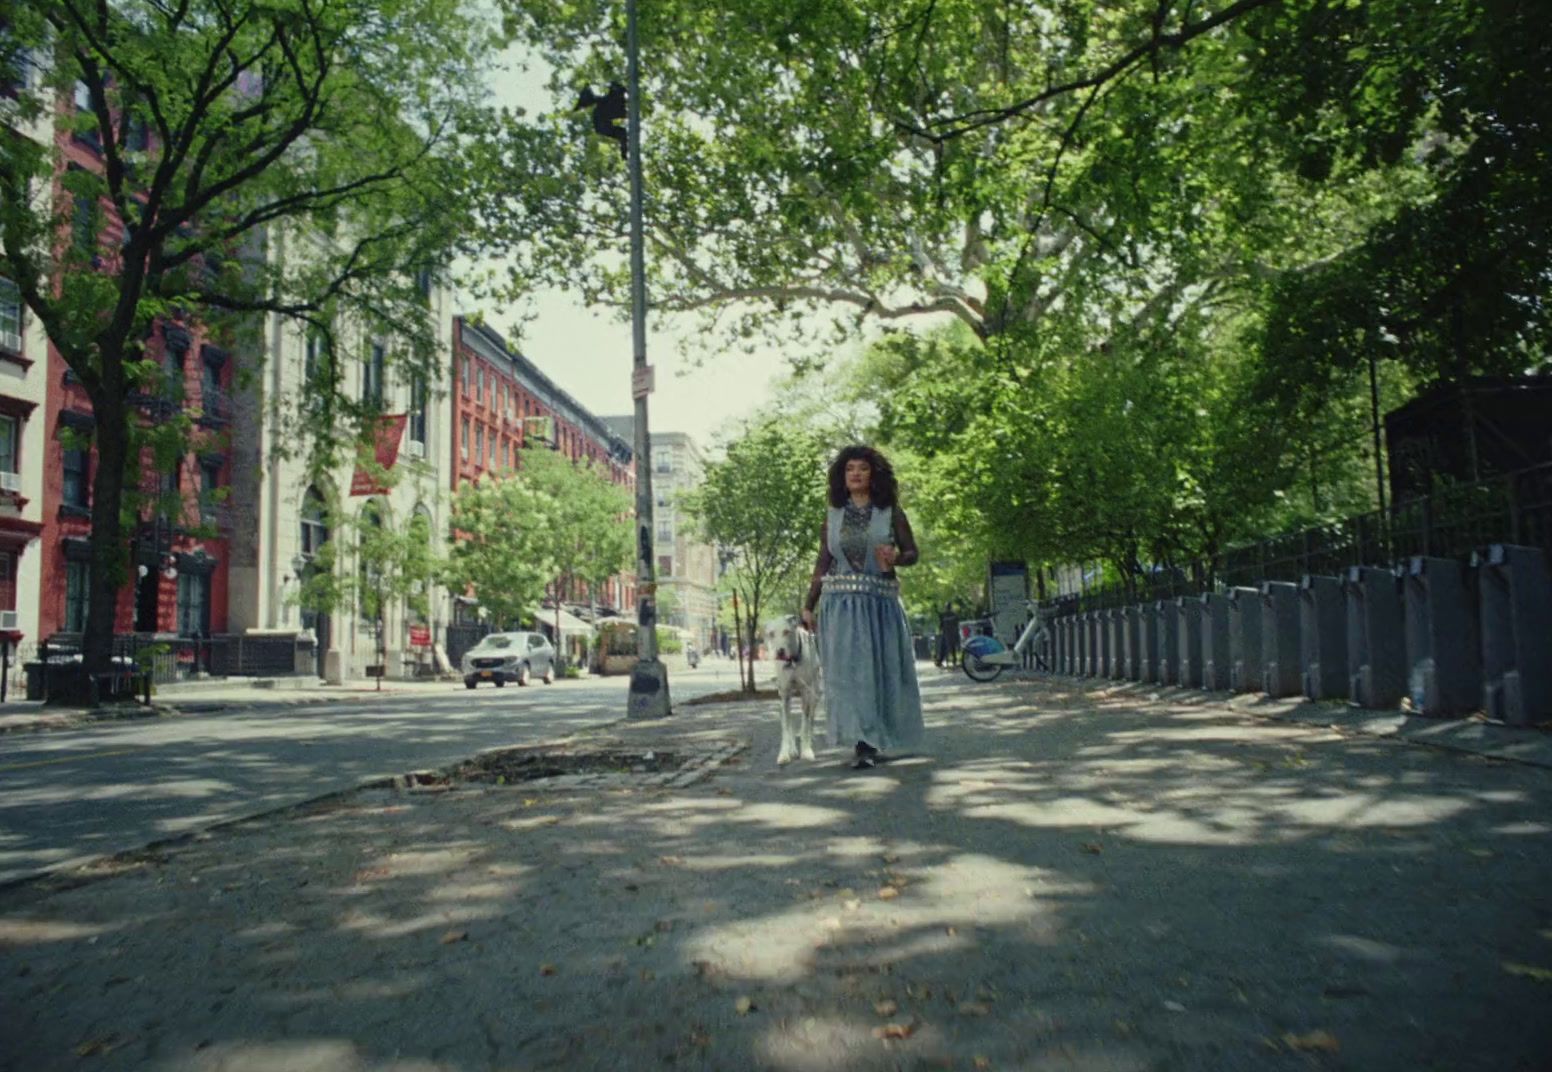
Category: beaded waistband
[866,583]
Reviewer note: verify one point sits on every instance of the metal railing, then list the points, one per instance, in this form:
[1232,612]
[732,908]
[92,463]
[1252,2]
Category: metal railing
[1452,522]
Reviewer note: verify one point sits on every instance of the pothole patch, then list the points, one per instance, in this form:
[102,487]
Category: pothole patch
[561,768]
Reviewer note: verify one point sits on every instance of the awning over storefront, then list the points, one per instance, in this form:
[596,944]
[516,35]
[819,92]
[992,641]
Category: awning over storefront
[570,624]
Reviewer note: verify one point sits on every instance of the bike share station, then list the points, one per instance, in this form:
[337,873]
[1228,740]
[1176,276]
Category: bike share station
[984,657]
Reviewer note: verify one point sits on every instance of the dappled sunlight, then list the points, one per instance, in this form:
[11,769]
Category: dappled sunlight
[1061,880]
[719,862]
[16,932]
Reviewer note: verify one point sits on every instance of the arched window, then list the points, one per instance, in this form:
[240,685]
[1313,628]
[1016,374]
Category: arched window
[421,535]
[369,568]
[315,523]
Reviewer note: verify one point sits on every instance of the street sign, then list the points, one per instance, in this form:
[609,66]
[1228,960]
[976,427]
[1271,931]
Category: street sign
[641,382]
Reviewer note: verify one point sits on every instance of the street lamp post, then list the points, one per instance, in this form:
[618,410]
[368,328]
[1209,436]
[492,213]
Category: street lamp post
[649,679]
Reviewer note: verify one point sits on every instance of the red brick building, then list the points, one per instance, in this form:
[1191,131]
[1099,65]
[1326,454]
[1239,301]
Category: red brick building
[498,396]
[177,584]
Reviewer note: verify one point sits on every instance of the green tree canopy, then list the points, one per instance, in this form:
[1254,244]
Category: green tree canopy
[310,161]
[587,534]
[764,501]
[501,553]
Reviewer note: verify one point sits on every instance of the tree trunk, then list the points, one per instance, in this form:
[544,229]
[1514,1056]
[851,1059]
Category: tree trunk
[106,574]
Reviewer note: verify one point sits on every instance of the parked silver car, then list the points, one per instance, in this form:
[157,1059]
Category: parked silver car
[503,657]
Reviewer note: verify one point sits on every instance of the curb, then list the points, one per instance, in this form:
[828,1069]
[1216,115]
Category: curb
[66,875]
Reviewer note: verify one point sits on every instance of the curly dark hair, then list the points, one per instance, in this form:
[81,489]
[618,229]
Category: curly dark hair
[884,490]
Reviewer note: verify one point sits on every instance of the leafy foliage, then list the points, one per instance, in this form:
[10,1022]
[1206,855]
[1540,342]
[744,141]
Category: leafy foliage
[763,502]
[300,161]
[501,553]
[587,533]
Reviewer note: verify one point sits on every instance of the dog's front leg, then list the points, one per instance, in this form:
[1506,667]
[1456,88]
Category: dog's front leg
[810,703]
[788,746]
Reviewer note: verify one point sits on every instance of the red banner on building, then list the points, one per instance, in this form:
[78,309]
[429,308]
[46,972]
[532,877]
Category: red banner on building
[389,431]
[420,636]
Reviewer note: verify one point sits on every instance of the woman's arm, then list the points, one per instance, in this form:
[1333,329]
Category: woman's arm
[905,540]
[821,567]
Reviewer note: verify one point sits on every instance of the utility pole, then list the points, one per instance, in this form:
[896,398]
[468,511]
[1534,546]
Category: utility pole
[649,680]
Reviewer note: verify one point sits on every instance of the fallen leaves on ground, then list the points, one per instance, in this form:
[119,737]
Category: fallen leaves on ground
[1312,1041]
[886,1008]
[1528,971]
[974,1008]
[546,969]
[895,1031]
[744,1005]
[888,893]
[455,936]
[97,1046]
[1093,848]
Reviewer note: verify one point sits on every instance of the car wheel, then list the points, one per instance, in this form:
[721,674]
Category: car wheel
[524,675]
[501,683]
[549,675]
[468,683]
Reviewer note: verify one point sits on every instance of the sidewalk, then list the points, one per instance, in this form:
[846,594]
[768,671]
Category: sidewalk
[1074,878]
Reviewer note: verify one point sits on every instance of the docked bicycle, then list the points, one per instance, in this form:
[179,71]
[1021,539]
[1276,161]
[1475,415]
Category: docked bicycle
[984,658]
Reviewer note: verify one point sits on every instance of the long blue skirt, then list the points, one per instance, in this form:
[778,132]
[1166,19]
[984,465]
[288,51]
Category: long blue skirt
[869,671]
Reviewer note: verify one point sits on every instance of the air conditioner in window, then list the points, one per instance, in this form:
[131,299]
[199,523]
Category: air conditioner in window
[10,621]
[10,340]
[11,482]
[414,448]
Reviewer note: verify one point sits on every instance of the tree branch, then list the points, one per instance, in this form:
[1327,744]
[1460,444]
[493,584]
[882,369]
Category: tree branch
[957,126]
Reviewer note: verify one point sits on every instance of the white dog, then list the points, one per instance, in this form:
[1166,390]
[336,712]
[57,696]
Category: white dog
[797,671]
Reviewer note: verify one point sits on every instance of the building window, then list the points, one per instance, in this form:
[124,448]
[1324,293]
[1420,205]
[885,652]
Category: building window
[423,283]
[82,233]
[315,524]
[665,532]
[665,565]
[468,376]
[369,574]
[10,316]
[663,461]
[463,439]
[7,581]
[10,444]
[312,359]
[479,445]
[77,593]
[479,384]
[209,491]
[193,603]
[417,422]
[77,488]
[372,376]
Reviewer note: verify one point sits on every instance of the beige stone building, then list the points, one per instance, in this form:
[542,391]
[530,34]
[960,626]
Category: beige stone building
[686,566]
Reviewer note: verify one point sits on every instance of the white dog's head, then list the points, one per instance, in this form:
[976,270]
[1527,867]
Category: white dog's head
[787,640]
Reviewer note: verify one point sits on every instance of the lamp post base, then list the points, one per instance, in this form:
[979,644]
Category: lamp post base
[649,691]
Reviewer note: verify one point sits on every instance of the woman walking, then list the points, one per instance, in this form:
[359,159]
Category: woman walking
[864,641]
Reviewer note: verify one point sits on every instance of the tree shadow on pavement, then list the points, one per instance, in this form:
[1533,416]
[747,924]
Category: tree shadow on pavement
[1075,877]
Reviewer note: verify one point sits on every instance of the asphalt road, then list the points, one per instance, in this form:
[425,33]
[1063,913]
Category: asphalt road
[66,797]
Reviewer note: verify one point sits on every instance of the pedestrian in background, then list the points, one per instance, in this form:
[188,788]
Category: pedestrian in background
[871,690]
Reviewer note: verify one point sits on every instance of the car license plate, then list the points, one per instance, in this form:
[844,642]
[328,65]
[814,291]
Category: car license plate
[485,674]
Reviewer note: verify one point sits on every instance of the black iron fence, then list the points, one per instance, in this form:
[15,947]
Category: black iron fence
[164,660]
[1452,522]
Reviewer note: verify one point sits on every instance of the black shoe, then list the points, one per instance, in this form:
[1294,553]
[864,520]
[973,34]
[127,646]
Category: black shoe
[863,763]
[865,749]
